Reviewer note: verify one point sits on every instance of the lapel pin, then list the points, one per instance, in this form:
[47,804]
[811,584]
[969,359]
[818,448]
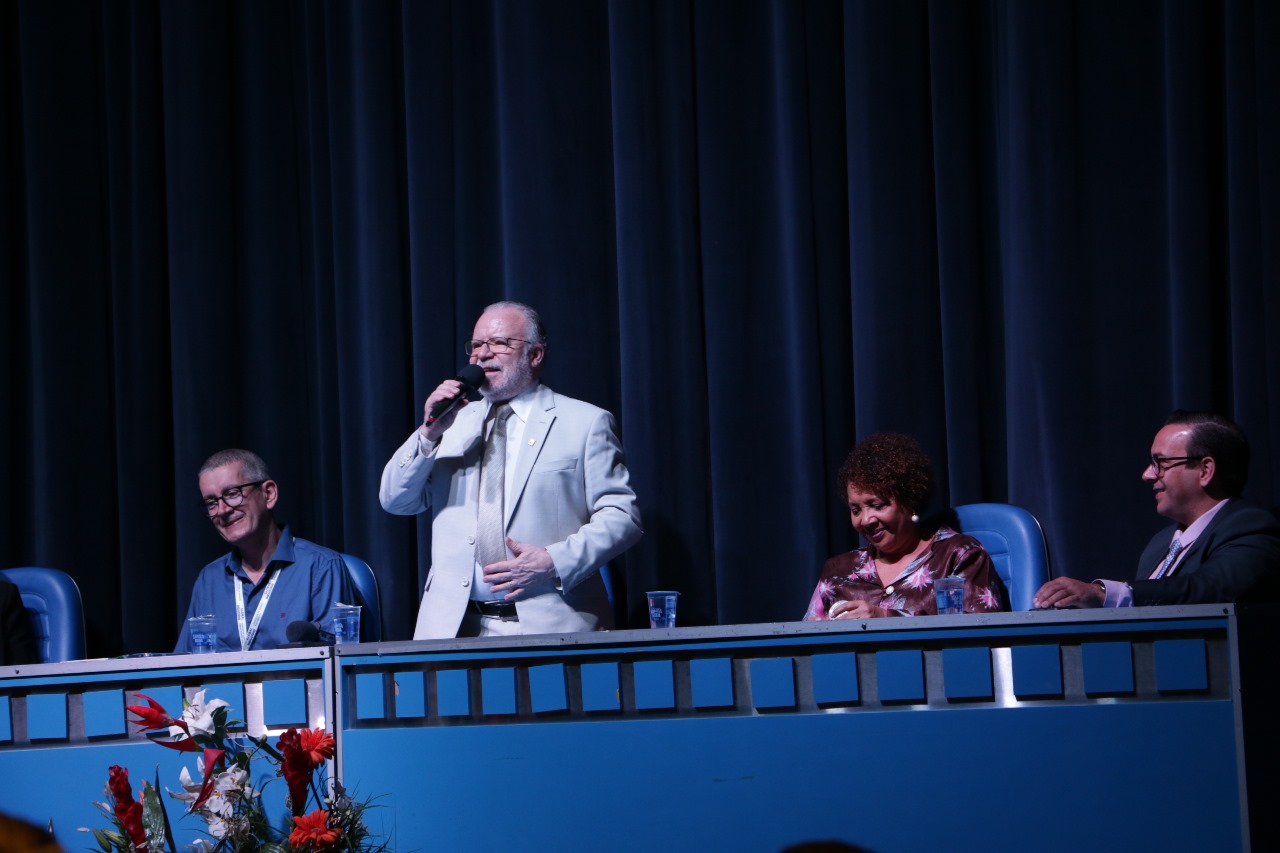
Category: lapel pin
[532,442]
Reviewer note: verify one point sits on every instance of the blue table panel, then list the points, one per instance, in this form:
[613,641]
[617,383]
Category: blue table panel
[1037,671]
[967,673]
[773,683]
[761,783]
[712,682]
[901,676]
[1180,665]
[835,678]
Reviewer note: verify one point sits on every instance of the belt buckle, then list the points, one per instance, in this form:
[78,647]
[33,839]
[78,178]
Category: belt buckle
[503,610]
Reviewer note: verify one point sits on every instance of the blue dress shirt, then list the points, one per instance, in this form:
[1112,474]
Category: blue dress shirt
[312,578]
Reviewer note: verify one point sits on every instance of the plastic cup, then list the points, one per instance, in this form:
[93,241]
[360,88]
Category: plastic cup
[662,608]
[950,594]
[346,623]
[202,635]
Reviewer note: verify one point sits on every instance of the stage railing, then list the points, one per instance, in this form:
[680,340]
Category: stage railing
[1113,730]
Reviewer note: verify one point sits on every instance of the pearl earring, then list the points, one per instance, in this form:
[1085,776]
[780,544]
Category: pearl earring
[915,519]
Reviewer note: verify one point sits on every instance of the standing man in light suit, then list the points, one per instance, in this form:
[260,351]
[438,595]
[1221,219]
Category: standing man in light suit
[528,493]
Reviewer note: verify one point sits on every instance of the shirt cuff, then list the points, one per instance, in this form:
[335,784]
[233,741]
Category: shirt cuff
[426,446]
[1119,594]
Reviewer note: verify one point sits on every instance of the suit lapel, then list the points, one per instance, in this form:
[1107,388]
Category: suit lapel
[541,417]
[1192,558]
[466,436]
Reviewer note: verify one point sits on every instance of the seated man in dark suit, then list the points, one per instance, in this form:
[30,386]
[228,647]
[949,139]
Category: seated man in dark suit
[17,640]
[1220,548]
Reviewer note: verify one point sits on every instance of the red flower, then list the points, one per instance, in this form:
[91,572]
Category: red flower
[295,764]
[128,810]
[153,717]
[317,744]
[313,831]
[211,759]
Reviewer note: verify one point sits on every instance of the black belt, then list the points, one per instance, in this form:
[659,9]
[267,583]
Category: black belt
[496,609]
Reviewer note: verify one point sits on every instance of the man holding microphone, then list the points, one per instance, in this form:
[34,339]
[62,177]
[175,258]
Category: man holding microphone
[528,492]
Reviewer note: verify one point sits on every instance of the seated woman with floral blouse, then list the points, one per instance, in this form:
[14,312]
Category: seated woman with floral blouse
[888,480]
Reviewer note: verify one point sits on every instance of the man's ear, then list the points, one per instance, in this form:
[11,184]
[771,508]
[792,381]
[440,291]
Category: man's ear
[271,492]
[1208,469]
[537,353]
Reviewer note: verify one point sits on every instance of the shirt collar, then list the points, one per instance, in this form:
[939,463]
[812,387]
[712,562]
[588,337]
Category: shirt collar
[285,554]
[1193,531]
[522,404]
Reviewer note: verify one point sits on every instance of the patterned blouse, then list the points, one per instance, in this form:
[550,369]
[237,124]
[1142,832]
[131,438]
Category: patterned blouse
[853,576]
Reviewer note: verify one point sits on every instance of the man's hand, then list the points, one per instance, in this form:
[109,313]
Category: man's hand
[531,569]
[1069,592]
[447,390]
[854,610]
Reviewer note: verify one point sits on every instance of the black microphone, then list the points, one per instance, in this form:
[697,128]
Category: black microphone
[304,634]
[471,377]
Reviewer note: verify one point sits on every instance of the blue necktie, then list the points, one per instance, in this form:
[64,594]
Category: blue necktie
[1175,548]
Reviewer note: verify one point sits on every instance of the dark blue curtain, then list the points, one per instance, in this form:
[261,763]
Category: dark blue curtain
[1020,231]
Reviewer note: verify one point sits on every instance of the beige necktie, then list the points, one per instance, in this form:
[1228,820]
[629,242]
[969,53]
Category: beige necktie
[491,544]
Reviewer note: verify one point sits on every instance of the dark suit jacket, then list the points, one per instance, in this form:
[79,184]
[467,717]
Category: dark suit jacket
[1236,558]
[17,640]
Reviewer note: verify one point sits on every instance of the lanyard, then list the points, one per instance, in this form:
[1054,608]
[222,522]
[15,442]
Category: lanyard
[248,633]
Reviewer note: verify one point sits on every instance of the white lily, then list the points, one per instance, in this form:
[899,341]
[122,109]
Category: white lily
[198,716]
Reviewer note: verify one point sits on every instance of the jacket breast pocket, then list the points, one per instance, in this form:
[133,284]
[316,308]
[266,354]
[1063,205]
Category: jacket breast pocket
[554,466]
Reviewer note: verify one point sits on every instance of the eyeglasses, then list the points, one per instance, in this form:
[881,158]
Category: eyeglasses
[1163,463]
[232,497]
[497,346]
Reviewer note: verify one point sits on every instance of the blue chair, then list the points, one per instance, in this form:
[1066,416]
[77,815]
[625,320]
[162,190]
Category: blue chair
[53,602]
[617,597]
[1014,539]
[362,578]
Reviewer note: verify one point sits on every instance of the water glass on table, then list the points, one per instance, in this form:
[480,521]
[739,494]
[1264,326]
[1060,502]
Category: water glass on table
[662,608]
[950,594]
[202,634]
[346,623]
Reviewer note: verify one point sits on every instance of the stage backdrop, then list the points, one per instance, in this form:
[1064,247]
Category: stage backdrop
[1019,231]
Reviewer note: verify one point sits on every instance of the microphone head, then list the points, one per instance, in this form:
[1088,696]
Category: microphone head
[302,632]
[471,377]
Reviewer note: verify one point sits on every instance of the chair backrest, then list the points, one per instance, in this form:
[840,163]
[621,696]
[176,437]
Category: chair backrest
[1014,539]
[362,578]
[616,590]
[53,602]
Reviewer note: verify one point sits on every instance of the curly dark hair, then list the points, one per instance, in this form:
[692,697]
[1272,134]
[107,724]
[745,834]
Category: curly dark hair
[891,465]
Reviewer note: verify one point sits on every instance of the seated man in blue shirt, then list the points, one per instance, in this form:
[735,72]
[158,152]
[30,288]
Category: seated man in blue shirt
[270,578]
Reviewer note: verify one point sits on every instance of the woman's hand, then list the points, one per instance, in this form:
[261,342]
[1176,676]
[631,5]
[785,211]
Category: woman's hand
[854,610]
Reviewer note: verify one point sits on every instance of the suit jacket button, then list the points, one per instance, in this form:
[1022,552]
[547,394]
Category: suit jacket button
[471,540]
[466,583]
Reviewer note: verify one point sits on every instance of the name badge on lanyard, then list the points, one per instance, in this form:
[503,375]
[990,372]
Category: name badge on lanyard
[248,632]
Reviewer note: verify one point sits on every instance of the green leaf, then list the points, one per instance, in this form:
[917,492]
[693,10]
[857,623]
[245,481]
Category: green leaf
[154,820]
[109,840]
[168,828]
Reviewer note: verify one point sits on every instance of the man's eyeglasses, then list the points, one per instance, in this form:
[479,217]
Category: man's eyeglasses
[1164,463]
[232,497]
[498,346]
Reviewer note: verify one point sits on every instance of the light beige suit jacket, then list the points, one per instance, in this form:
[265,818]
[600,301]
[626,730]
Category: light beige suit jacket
[570,494]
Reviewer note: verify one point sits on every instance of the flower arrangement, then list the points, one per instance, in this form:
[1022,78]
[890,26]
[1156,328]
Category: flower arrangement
[223,794]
